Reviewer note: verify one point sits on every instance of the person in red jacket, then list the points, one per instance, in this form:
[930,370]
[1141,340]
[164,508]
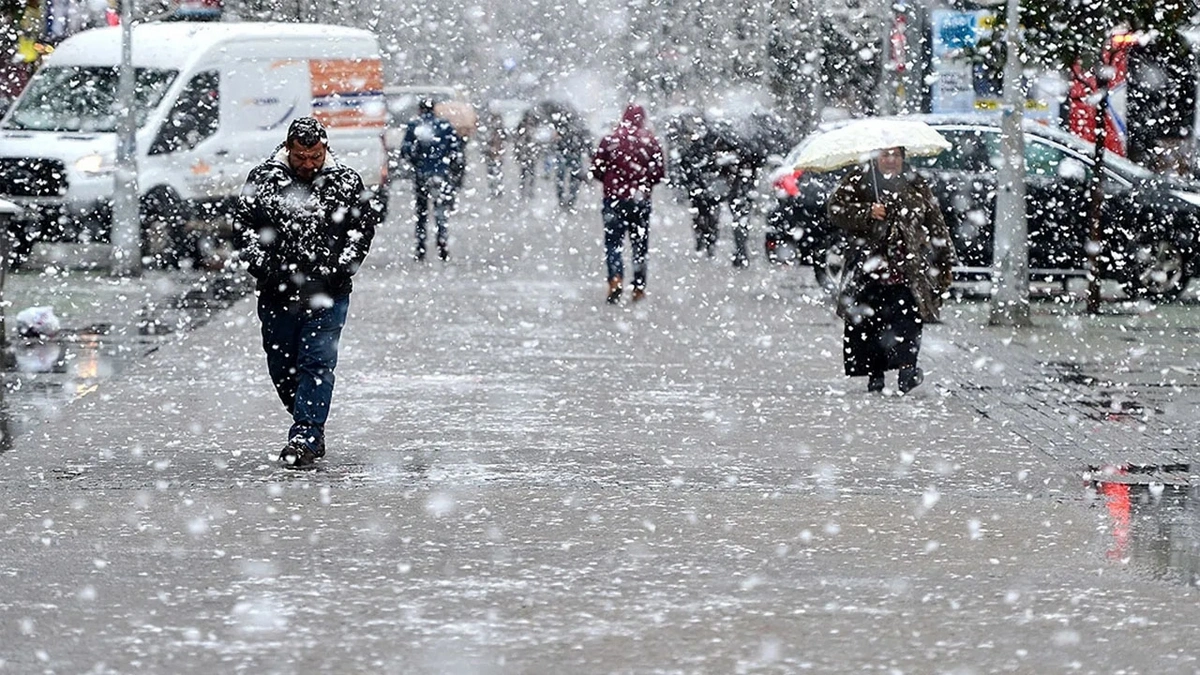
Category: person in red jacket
[630,163]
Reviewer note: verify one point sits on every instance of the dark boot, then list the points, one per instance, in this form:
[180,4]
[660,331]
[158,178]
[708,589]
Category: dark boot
[614,290]
[911,377]
[875,382]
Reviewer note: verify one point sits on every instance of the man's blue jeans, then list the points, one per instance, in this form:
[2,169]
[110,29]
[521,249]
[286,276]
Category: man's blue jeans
[302,349]
[623,216]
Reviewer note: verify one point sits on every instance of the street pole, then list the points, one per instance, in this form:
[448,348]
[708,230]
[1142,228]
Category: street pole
[126,226]
[1095,243]
[1010,274]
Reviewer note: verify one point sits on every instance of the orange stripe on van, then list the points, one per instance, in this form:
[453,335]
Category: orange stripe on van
[345,76]
[347,118]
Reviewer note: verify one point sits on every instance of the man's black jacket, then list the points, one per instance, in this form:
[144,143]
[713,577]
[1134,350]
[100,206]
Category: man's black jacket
[302,239]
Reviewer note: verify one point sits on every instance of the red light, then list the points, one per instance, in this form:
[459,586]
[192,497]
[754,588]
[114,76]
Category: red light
[787,183]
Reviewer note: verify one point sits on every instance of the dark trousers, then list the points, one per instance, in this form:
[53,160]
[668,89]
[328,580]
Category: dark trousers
[440,191]
[705,220]
[885,334]
[301,344]
[623,216]
[741,207]
[569,174]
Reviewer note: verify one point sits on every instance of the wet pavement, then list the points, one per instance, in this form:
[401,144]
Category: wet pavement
[105,324]
[522,479]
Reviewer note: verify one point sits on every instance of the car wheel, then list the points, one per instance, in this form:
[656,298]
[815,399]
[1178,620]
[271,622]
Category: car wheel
[781,251]
[164,219]
[1158,272]
[829,264]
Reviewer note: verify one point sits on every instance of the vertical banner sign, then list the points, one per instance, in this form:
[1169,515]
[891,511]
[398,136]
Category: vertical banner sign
[954,35]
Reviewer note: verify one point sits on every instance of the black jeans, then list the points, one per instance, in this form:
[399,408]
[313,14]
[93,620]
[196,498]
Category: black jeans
[440,191]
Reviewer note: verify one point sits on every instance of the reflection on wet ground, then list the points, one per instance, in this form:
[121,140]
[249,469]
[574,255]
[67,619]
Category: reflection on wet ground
[1153,517]
[41,374]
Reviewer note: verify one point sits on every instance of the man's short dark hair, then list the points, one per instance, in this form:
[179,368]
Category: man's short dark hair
[307,131]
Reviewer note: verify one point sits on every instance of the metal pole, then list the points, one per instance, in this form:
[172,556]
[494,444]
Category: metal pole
[1010,274]
[5,249]
[1095,242]
[126,226]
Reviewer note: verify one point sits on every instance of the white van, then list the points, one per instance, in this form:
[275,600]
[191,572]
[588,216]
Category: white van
[213,101]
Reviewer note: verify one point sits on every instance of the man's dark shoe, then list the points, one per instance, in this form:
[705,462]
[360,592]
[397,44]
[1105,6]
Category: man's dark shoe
[443,253]
[875,383]
[911,377]
[297,454]
[419,256]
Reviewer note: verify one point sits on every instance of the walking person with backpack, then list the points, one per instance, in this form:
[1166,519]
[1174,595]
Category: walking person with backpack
[306,223]
[629,162]
[436,152]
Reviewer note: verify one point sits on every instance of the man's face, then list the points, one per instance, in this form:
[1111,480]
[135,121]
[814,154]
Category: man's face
[891,161]
[305,159]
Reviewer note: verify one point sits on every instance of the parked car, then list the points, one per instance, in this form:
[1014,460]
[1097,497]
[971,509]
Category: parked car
[1150,222]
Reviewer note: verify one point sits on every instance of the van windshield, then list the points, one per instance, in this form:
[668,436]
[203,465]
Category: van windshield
[78,98]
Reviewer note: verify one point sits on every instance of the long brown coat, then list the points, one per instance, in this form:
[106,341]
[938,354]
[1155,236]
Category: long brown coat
[914,213]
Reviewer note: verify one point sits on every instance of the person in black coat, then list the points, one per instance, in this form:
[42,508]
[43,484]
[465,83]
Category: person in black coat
[306,223]
[701,180]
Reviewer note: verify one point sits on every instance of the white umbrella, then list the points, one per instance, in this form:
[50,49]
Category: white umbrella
[859,141]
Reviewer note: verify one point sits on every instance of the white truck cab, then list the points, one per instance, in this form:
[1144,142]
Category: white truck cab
[213,100]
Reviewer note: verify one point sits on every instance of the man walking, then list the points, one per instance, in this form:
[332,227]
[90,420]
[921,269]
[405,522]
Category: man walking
[436,152]
[306,223]
[630,163]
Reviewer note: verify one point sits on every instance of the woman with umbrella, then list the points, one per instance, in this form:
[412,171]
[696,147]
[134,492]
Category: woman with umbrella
[899,257]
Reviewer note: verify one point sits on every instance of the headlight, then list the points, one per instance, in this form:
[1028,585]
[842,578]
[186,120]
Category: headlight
[94,165]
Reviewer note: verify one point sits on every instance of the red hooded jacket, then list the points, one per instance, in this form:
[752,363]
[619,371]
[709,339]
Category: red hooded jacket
[629,160]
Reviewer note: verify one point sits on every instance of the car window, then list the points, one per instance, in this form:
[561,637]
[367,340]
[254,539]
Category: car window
[1045,160]
[970,151]
[194,117]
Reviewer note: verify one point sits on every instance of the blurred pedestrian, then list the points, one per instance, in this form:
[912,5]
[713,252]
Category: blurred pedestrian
[719,167]
[570,145]
[630,162]
[493,135]
[306,222]
[435,150]
[899,260]
[700,179]
[528,151]
[739,161]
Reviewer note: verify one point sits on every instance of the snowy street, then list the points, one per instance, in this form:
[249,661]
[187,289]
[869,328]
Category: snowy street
[524,479]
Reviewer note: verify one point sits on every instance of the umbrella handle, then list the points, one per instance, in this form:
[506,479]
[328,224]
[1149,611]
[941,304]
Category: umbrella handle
[874,179]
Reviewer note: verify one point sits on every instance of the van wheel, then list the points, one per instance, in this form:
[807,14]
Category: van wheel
[164,228]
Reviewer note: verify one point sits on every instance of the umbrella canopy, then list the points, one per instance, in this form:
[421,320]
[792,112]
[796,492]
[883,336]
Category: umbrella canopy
[460,114]
[858,141]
